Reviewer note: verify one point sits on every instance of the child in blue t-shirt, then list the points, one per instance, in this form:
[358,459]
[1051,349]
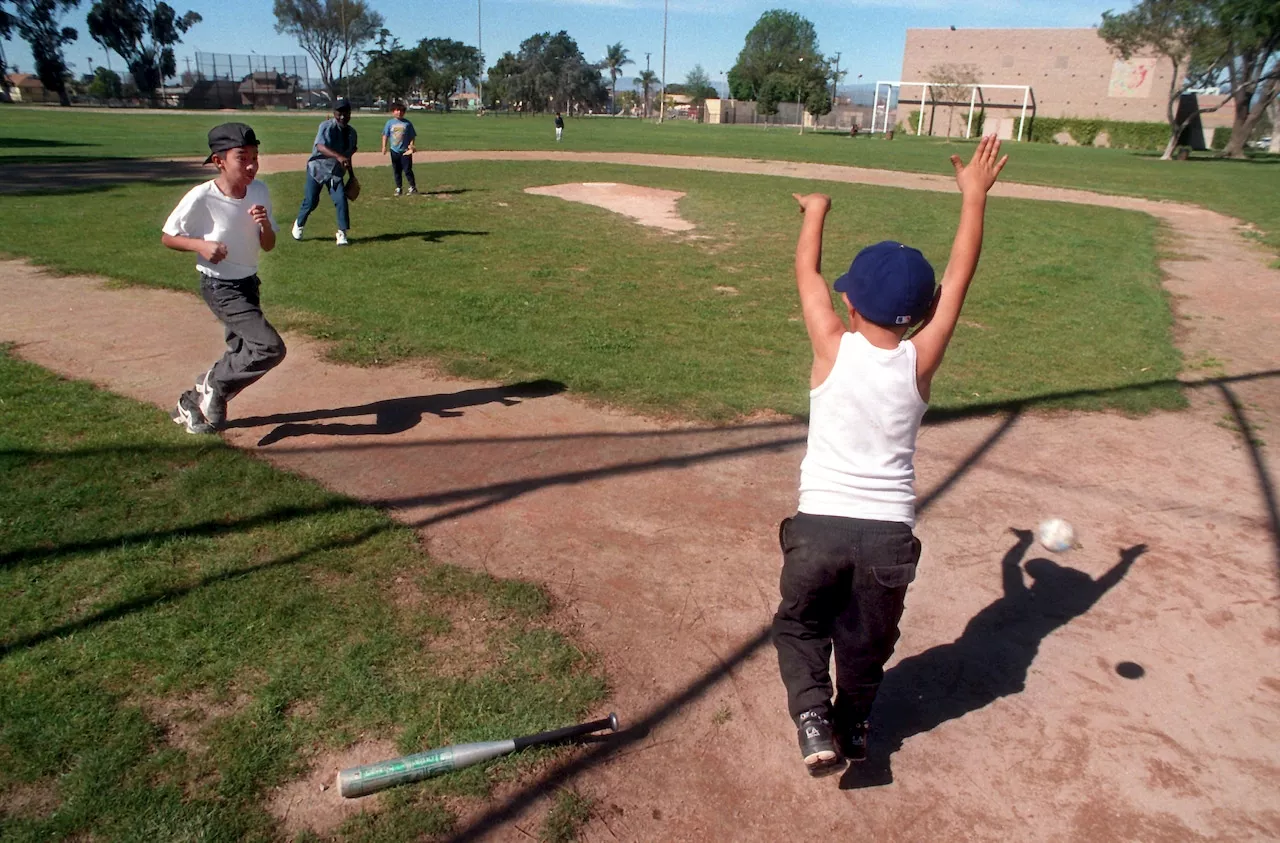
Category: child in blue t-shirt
[399,135]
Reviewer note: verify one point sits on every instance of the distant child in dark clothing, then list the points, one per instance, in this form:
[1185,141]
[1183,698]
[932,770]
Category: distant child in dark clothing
[559,126]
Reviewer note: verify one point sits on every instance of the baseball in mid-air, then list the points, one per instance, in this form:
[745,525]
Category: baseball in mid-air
[1056,535]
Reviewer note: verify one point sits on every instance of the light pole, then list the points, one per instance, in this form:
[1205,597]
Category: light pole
[799,88]
[480,50]
[662,104]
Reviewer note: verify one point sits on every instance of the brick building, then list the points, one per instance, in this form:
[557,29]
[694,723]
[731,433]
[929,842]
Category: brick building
[1072,73]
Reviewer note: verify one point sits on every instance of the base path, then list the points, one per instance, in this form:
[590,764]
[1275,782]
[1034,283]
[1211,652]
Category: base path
[1126,690]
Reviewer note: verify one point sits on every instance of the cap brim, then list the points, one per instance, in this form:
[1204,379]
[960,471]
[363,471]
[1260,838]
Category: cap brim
[209,160]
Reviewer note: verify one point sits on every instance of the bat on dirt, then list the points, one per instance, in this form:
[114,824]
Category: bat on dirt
[370,778]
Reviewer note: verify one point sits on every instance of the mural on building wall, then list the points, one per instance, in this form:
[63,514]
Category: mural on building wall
[1132,78]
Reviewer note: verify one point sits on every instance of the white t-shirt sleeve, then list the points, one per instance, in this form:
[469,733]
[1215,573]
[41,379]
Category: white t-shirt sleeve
[189,218]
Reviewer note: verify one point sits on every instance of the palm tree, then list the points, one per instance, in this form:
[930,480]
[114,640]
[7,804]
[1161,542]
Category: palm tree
[648,80]
[614,58]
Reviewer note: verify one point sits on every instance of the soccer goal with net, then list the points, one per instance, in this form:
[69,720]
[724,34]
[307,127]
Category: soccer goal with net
[943,93]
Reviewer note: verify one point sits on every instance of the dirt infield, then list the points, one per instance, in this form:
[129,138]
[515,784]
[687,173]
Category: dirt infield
[1007,713]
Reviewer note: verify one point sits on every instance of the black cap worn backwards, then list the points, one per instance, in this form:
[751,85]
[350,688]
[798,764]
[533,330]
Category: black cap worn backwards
[229,136]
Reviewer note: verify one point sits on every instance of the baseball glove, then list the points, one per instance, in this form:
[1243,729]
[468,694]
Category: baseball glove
[353,188]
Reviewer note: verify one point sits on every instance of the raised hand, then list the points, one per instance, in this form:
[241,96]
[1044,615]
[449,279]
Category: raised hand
[813,201]
[983,169]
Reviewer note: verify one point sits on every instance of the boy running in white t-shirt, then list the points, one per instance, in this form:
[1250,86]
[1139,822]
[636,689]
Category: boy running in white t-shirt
[226,222]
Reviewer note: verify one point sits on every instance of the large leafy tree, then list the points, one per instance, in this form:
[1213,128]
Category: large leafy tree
[106,85]
[1249,33]
[143,33]
[332,32]
[697,84]
[446,64]
[548,72]
[7,24]
[779,61]
[38,22]
[1206,42]
[392,71]
[503,78]
[615,58]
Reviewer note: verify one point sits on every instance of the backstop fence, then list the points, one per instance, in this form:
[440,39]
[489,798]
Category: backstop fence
[228,80]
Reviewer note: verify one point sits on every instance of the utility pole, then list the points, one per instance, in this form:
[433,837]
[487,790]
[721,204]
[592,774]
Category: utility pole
[346,48]
[480,50]
[835,82]
[799,89]
[662,104]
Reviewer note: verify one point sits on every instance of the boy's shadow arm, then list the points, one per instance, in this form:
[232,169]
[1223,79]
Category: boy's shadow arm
[1118,571]
[1011,565]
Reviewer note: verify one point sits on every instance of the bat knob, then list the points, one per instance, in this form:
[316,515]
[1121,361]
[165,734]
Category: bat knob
[613,722]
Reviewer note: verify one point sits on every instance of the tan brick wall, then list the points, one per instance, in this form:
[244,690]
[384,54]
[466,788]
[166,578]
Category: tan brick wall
[1072,73]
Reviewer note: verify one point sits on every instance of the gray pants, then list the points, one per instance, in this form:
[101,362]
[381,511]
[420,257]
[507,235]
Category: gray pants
[253,346]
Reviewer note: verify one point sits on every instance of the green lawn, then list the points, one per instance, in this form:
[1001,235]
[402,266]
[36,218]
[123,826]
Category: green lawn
[496,283]
[183,628]
[1247,190]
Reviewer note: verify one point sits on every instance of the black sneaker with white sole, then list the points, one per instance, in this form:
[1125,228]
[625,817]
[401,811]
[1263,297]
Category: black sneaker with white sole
[188,414]
[818,744]
[852,740]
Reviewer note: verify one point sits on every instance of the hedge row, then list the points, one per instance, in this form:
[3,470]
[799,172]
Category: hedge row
[1121,134]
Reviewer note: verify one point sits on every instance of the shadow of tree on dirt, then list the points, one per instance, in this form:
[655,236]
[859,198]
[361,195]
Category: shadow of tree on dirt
[988,661]
[65,175]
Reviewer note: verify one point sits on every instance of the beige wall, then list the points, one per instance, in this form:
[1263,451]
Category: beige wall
[1072,73]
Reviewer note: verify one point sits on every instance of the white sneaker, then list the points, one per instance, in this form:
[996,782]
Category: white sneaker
[398,191]
[342,238]
[297,231]
[212,405]
[413,190]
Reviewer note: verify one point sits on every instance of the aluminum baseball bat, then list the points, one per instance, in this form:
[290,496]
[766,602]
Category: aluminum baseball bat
[370,778]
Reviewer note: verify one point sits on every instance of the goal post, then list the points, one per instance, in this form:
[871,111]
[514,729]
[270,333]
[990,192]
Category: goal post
[927,88]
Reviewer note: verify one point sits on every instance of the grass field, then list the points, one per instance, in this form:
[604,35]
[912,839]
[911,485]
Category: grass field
[496,283]
[183,628]
[1247,190]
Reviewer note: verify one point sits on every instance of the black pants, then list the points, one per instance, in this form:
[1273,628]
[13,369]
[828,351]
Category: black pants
[253,346]
[402,163]
[844,582]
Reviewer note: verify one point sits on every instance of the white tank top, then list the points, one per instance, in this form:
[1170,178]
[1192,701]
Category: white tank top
[863,421]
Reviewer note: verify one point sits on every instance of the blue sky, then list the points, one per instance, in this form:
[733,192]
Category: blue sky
[869,34]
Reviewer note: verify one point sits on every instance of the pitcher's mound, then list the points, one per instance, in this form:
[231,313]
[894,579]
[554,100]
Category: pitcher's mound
[646,205]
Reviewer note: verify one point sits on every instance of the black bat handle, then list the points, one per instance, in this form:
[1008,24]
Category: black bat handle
[556,735]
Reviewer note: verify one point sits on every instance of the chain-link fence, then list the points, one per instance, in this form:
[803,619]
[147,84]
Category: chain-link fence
[850,112]
[228,80]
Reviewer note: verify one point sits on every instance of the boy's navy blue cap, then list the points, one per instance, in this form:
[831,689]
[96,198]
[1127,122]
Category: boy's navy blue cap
[889,284]
[229,136]
[341,104]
